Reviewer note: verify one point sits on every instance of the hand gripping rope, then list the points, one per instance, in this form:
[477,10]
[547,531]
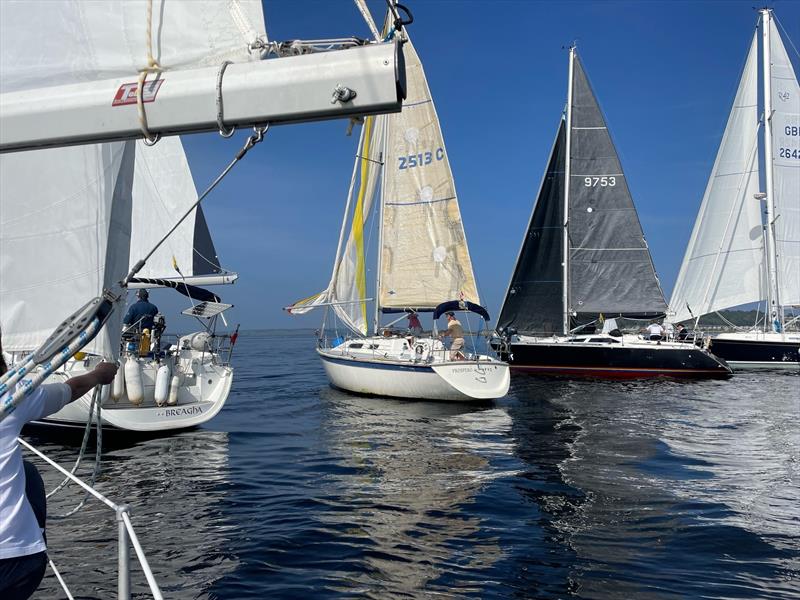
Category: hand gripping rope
[82,326]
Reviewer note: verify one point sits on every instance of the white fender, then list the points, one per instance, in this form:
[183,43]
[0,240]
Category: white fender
[118,386]
[173,390]
[133,381]
[162,384]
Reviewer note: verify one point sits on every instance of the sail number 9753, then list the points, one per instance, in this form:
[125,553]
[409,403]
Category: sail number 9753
[421,159]
[601,181]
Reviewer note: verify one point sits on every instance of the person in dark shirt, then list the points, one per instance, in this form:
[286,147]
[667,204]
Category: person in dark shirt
[140,314]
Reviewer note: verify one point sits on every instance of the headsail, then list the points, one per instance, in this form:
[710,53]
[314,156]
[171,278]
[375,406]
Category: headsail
[424,256]
[98,40]
[724,261]
[347,290]
[163,190]
[786,167]
[64,237]
[66,217]
[610,268]
[533,303]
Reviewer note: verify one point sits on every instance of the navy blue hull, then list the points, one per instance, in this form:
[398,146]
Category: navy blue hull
[606,361]
[757,352]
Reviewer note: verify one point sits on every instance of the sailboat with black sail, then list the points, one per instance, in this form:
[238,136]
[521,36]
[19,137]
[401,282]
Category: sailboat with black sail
[745,246]
[423,266]
[584,262]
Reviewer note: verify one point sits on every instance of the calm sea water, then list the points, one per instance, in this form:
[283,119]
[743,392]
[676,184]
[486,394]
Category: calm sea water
[659,489]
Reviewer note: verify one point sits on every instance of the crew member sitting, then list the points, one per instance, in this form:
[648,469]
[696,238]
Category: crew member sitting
[456,332]
[141,313]
[655,331]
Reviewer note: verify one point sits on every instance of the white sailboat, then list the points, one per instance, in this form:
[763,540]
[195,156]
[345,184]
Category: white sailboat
[745,246]
[423,264]
[75,220]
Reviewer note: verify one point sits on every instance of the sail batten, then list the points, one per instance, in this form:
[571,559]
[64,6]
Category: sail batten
[724,261]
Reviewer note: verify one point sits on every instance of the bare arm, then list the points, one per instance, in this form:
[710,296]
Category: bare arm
[103,374]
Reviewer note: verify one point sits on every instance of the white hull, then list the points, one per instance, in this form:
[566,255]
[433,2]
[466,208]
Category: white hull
[405,376]
[202,394]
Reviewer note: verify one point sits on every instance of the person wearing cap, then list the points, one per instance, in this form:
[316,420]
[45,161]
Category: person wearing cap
[23,503]
[455,332]
[140,314]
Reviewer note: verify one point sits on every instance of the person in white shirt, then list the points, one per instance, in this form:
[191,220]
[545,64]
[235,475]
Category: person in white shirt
[22,498]
[655,331]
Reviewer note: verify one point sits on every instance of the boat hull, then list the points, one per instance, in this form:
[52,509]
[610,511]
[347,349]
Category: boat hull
[456,381]
[754,351]
[202,395]
[614,361]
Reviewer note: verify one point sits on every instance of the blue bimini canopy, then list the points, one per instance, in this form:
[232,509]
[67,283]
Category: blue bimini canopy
[454,305]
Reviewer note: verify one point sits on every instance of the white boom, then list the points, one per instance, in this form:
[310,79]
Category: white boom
[283,90]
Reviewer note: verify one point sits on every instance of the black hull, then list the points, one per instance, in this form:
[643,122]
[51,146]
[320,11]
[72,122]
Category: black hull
[757,353]
[619,361]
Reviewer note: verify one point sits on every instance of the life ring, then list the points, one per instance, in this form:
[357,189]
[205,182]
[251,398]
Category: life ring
[421,350]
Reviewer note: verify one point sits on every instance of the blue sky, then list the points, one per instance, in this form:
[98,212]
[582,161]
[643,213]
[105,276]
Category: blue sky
[665,74]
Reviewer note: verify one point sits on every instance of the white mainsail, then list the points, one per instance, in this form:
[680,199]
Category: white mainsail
[424,256]
[163,190]
[724,261]
[65,224]
[786,167]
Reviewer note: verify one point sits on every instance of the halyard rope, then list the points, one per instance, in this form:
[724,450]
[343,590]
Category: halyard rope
[152,67]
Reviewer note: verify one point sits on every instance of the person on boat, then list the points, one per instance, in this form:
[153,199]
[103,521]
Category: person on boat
[23,505]
[141,313]
[414,326]
[682,333]
[669,330]
[455,332]
[655,331]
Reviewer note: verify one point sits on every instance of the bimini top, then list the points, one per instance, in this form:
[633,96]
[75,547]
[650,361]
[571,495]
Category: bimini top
[460,305]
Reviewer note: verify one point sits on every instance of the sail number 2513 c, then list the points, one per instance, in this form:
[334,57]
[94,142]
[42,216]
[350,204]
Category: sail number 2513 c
[421,159]
[601,181]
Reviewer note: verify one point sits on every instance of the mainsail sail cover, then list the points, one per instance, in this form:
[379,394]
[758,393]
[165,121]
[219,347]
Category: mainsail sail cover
[786,168]
[534,302]
[724,261]
[610,268]
[424,259]
[163,190]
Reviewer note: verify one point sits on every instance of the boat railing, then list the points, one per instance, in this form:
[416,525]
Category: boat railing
[470,352]
[126,537]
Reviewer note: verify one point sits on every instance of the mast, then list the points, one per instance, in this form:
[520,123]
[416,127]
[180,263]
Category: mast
[565,255]
[773,298]
[379,250]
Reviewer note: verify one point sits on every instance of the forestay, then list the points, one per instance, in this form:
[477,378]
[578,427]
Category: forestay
[786,167]
[533,303]
[724,261]
[610,268]
[424,256]
[163,190]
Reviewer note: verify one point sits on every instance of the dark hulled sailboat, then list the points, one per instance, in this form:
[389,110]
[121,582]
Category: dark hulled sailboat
[584,256]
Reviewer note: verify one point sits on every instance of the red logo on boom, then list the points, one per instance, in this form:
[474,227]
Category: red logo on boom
[126,94]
